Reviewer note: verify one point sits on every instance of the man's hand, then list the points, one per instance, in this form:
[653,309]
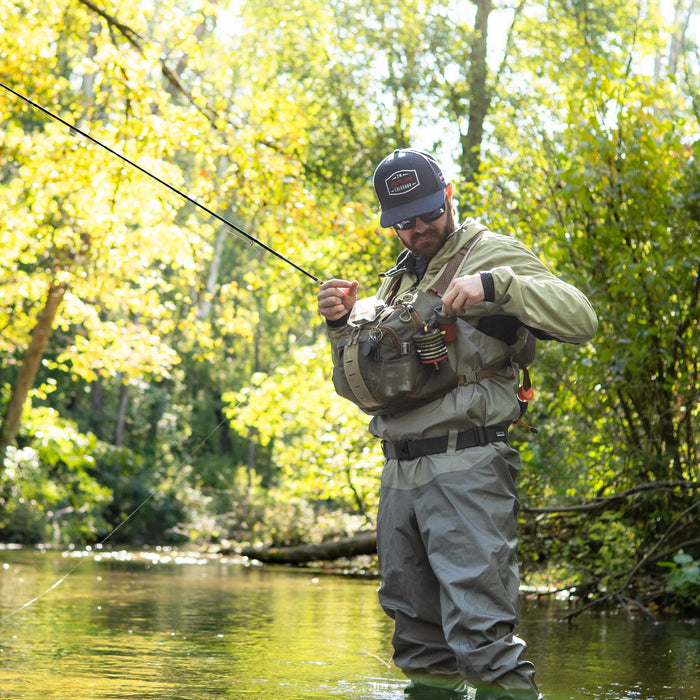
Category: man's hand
[336,298]
[462,294]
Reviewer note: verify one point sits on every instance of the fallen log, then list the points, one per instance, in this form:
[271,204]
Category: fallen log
[361,543]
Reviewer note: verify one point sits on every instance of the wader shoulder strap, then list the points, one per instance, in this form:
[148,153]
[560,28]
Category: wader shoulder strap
[442,282]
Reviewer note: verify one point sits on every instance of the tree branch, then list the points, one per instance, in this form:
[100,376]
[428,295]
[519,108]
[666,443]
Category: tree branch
[602,503]
[137,42]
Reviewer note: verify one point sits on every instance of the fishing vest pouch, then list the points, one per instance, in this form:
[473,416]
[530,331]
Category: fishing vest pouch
[396,360]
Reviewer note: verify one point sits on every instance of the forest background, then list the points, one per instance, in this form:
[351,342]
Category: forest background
[164,380]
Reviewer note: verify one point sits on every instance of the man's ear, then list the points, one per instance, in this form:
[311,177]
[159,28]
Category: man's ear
[448,194]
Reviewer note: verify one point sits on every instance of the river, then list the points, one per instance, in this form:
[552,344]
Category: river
[160,624]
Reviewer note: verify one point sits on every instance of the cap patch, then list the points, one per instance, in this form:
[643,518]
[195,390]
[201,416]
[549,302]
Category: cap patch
[402,181]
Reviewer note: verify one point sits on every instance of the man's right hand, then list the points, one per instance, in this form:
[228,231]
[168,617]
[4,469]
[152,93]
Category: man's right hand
[336,298]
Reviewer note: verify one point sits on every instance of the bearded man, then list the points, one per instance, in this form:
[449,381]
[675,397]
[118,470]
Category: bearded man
[446,526]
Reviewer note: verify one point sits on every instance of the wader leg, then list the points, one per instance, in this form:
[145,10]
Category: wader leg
[450,574]
[410,594]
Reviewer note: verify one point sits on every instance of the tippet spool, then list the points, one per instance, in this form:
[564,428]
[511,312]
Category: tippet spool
[430,346]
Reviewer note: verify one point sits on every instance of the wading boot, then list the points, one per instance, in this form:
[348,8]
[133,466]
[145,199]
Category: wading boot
[428,692]
[424,691]
[502,694]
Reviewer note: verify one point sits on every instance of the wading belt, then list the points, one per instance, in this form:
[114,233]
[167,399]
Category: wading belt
[411,449]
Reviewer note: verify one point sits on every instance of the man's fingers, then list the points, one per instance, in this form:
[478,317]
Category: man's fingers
[463,293]
[336,298]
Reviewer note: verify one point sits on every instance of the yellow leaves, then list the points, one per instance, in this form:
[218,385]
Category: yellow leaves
[132,351]
[253,281]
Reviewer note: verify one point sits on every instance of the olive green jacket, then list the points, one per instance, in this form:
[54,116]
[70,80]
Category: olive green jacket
[516,284]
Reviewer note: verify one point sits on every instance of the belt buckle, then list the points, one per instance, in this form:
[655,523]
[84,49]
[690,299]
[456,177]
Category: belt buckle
[404,449]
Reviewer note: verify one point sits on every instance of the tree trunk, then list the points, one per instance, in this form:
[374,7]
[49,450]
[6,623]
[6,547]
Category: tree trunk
[121,416]
[480,99]
[96,419]
[250,470]
[30,365]
[204,304]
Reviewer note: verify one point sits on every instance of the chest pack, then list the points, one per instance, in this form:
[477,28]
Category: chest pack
[379,367]
[395,357]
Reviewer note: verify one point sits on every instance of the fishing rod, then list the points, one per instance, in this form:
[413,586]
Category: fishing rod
[162,182]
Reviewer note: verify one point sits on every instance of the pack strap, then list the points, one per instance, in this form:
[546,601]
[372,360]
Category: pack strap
[351,367]
[442,282]
[485,373]
[412,449]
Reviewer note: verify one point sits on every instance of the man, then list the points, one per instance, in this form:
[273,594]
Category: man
[446,527]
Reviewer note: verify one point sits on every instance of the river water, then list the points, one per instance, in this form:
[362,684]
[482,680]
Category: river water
[160,624]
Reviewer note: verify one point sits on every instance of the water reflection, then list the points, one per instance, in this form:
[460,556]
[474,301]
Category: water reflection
[128,626]
[613,656]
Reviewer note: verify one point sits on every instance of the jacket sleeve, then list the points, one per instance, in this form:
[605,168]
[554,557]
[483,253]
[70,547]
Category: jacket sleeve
[518,283]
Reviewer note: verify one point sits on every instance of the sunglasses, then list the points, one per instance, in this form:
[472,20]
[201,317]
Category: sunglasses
[407,224]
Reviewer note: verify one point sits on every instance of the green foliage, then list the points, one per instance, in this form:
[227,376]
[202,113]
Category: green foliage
[63,486]
[288,519]
[185,391]
[146,505]
[593,171]
[684,580]
[602,548]
[50,489]
[323,451]
[224,509]
[592,553]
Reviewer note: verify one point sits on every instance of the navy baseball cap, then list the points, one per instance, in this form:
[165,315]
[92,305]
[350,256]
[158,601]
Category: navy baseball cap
[408,183]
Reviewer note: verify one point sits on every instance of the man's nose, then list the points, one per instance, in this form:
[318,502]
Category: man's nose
[420,225]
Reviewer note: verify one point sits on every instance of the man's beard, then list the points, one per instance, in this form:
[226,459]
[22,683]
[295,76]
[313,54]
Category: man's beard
[427,242]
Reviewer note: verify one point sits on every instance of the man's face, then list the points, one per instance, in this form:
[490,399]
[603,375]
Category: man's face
[425,239]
